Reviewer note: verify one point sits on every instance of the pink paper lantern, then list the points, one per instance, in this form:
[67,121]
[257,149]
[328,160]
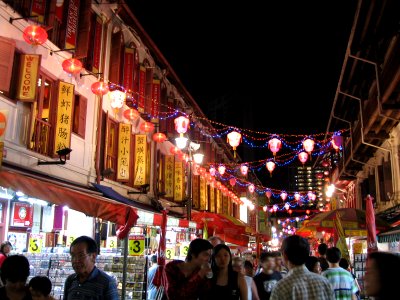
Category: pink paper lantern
[283,195]
[234,139]
[268,194]
[270,166]
[251,188]
[303,156]
[221,169]
[274,145]
[308,145]
[297,196]
[212,171]
[232,181]
[181,124]
[244,169]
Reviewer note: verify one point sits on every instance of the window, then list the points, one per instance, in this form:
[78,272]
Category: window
[79,117]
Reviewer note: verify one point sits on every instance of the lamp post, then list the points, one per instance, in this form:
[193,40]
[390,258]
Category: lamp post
[181,143]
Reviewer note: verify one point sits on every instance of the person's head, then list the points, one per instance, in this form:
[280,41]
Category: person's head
[322,249]
[238,265]
[333,255]
[295,249]
[221,257]
[278,260]
[267,261]
[153,259]
[199,251]
[15,272]
[313,265]
[323,263]
[215,240]
[83,252]
[248,267]
[40,287]
[381,275]
[5,247]
[343,263]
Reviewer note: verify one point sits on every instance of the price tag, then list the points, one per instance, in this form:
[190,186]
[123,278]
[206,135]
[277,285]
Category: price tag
[70,239]
[35,243]
[183,249]
[111,242]
[170,253]
[136,245]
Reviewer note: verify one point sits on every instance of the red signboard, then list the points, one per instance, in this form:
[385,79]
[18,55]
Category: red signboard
[97,44]
[72,24]
[22,214]
[128,69]
[39,9]
[155,97]
[142,87]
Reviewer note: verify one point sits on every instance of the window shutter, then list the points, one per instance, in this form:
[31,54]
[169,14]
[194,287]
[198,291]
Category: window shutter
[82,116]
[117,50]
[7,48]
[387,178]
[84,26]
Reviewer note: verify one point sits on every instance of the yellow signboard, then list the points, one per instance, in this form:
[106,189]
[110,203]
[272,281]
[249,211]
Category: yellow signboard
[28,79]
[136,245]
[70,239]
[212,199]
[203,187]
[357,248]
[124,152]
[219,201]
[140,159]
[179,181]
[111,242]
[35,243]
[170,253]
[64,116]
[183,249]
[169,176]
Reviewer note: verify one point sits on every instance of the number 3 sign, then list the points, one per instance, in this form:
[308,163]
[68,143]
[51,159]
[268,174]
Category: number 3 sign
[136,245]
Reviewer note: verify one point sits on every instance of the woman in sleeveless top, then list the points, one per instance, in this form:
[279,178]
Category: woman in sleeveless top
[226,283]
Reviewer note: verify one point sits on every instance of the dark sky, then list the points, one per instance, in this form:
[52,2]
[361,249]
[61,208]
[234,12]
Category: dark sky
[278,63]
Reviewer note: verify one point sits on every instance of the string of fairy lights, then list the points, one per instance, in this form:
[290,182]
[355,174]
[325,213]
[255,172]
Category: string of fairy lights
[292,146]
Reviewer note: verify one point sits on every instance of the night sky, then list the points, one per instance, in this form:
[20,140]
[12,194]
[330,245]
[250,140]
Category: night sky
[277,63]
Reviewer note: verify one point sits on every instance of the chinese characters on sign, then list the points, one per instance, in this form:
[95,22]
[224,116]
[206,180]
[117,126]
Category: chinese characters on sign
[203,188]
[140,159]
[169,176]
[219,202]
[155,103]
[179,181]
[212,199]
[196,191]
[124,143]
[64,116]
[142,87]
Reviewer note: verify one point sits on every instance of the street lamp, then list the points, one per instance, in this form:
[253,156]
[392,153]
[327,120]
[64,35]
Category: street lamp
[181,143]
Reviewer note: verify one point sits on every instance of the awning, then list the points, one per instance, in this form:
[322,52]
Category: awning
[89,204]
[148,215]
[392,235]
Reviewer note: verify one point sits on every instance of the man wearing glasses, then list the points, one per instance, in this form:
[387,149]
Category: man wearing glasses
[88,282]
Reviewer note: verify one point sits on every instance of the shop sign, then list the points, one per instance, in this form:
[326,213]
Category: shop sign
[72,24]
[128,67]
[183,249]
[27,84]
[357,248]
[70,239]
[212,199]
[169,176]
[97,44]
[22,215]
[3,123]
[124,153]
[35,243]
[203,188]
[111,242]
[64,116]
[170,253]
[140,159]
[38,9]
[219,202]
[142,87]
[155,97]
[136,245]
[178,187]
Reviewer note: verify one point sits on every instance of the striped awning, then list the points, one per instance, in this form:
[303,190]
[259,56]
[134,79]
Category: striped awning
[392,235]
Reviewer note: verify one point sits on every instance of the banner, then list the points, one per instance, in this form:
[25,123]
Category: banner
[124,152]
[140,159]
[372,244]
[142,88]
[98,32]
[341,239]
[27,84]
[179,181]
[64,116]
[169,176]
[72,25]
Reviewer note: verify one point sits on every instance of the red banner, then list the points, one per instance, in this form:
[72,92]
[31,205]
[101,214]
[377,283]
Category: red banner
[142,88]
[128,69]
[155,97]
[60,10]
[372,245]
[72,24]
[22,214]
[97,45]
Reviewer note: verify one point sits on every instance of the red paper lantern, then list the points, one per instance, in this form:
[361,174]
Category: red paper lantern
[270,166]
[290,211]
[244,169]
[232,181]
[307,211]
[212,171]
[268,193]
[251,188]
[131,114]
[159,137]
[99,88]
[147,127]
[72,66]
[34,35]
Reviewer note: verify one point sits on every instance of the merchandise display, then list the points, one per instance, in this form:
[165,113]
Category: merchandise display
[57,266]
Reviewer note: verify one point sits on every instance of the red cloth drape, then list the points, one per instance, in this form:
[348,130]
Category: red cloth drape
[370,223]
[159,278]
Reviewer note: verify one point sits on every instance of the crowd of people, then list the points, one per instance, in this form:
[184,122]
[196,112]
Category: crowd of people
[210,271]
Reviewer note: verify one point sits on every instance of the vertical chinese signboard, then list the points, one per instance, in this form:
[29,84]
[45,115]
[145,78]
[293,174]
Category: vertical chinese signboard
[142,89]
[203,187]
[212,199]
[196,191]
[179,181]
[169,176]
[219,202]
[72,24]
[38,9]
[140,159]
[128,67]
[97,44]
[124,152]
[225,205]
[27,84]
[64,116]
[155,97]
